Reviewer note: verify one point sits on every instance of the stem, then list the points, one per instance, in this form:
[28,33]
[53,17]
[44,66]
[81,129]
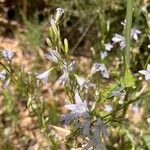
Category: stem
[128,30]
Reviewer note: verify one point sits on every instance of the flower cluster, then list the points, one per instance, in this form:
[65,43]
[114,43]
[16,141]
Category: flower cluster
[91,128]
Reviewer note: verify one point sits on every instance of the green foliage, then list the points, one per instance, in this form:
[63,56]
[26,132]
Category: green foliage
[128,80]
[146,139]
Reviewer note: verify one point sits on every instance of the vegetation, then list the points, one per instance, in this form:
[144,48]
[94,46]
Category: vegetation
[77,75]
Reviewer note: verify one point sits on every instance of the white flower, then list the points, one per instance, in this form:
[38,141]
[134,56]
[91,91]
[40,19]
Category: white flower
[3,75]
[79,109]
[135,33]
[108,46]
[44,76]
[103,55]
[146,72]
[8,55]
[59,12]
[119,39]
[108,108]
[53,55]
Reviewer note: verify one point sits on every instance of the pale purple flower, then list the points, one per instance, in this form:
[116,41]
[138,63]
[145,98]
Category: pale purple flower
[8,54]
[100,128]
[104,71]
[119,39]
[53,55]
[95,139]
[79,109]
[108,46]
[83,83]
[6,83]
[67,68]
[59,12]
[80,80]
[95,143]
[146,72]
[108,108]
[3,75]
[135,33]
[99,67]
[62,79]
[95,68]
[86,127]
[135,108]
[44,76]
[103,54]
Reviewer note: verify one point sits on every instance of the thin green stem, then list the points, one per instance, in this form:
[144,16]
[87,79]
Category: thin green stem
[128,30]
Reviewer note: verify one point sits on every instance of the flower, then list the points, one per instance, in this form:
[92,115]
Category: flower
[8,55]
[66,69]
[95,68]
[3,75]
[146,72]
[135,108]
[62,79]
[86,127]
[103,55]
[99,67]
[44,76]
[5,85]
[79,109]
[104,71]
[100,128]
[135,33]
[95,139]
[83,83]
[53,55]
[119,39]
[108,108]
[108,46]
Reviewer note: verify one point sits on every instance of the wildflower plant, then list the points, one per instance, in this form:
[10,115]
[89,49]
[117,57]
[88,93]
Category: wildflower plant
[92,106]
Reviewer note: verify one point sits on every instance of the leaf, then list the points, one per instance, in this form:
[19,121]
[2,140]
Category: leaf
[129,80]
[106,91]
[118,90]
[146,139]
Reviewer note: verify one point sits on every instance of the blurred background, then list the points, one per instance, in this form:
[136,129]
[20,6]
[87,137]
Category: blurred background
[88,25]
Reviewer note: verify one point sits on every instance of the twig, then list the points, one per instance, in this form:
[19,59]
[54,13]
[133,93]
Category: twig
[84,34]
